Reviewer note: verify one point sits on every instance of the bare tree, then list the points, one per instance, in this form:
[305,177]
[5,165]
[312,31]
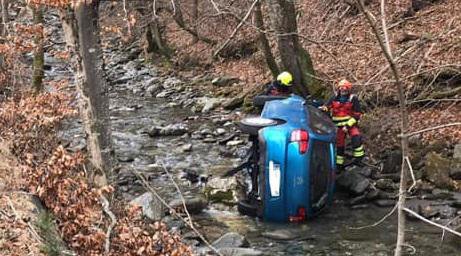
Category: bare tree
[5,17]
[38,64]
[263,42]
[82,36]
[294,57]
[385,47]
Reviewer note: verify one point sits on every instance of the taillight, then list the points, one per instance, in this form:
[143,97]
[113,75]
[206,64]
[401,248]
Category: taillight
[302,137]
[300,215]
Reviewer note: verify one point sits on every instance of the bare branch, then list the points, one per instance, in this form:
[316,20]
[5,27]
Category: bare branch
[379,221]
[431,222]
[431,129]
[247,15]
[407,160]
[113,221]
[180,193]
[383,24]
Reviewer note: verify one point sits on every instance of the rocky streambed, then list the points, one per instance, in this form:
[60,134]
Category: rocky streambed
[169,130]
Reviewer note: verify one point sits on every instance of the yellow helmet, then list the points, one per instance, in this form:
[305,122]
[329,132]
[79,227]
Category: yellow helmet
[285,78]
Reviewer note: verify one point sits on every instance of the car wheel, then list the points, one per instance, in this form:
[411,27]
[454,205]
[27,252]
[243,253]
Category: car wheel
[251,125]
[247,208]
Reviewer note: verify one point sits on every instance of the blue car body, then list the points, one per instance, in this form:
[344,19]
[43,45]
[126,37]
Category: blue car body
[303,180]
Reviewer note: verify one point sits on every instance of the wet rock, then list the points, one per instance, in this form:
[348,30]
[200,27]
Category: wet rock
[393,162]
[234,143]
[222,190]
[441,194]
[233,103]
[209,140]
[437,171]
[457,152]
[384,202]
[281,235]
[169,130]
[239,252]
[194,205]
[455,169]
[210,104]
[125,159]
[152,208]
[172,82]
[372,194]
[224,81]
[358,200]
[226,139]
[386,185]
[154,89]
[164,94]
[353,182]
[220,131]
[186,148]
[231,239]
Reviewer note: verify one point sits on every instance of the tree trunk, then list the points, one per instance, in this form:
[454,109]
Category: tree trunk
[38,64]
[93,90]
[263,42]
[294,58]
[194,15]
[5,18]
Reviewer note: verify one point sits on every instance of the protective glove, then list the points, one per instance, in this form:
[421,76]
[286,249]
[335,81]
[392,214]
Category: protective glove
[323,108]
[351,122]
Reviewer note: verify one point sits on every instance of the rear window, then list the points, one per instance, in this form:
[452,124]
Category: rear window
[320,122]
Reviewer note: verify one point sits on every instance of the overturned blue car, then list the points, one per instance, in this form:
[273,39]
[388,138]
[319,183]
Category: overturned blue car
[291,161]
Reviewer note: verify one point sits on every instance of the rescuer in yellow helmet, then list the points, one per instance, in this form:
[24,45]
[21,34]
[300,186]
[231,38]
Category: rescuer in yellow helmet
[281,86]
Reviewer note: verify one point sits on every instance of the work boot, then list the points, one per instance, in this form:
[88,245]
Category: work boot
[358,161]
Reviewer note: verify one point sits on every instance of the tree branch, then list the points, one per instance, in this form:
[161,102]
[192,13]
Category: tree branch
[431,129]
[247,15]
[106,208]
[431,222]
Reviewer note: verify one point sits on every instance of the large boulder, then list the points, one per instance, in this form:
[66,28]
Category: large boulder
[194,205]
[169,130]
[152,208]
[224,81]
[231,239]
[229,251]
[437,171]
[393,162]
[353,182]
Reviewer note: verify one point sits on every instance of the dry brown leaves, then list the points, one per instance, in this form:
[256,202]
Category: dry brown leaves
[59,179]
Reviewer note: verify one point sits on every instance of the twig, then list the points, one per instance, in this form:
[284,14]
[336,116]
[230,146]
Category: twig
[126,18]
[237,28]
[431,222]
[154,7]
[431,129]
[407,160]
[173,211]
[436,100]
[451,221]
[379,221]
[12,208]
[180,193]
[413,249]
[383,24]
[34,233]
[106,207]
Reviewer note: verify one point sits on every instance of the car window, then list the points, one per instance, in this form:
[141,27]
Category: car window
[320,122]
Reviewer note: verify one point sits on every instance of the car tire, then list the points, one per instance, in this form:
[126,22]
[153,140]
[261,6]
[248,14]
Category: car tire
[247,208]
[252,125]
